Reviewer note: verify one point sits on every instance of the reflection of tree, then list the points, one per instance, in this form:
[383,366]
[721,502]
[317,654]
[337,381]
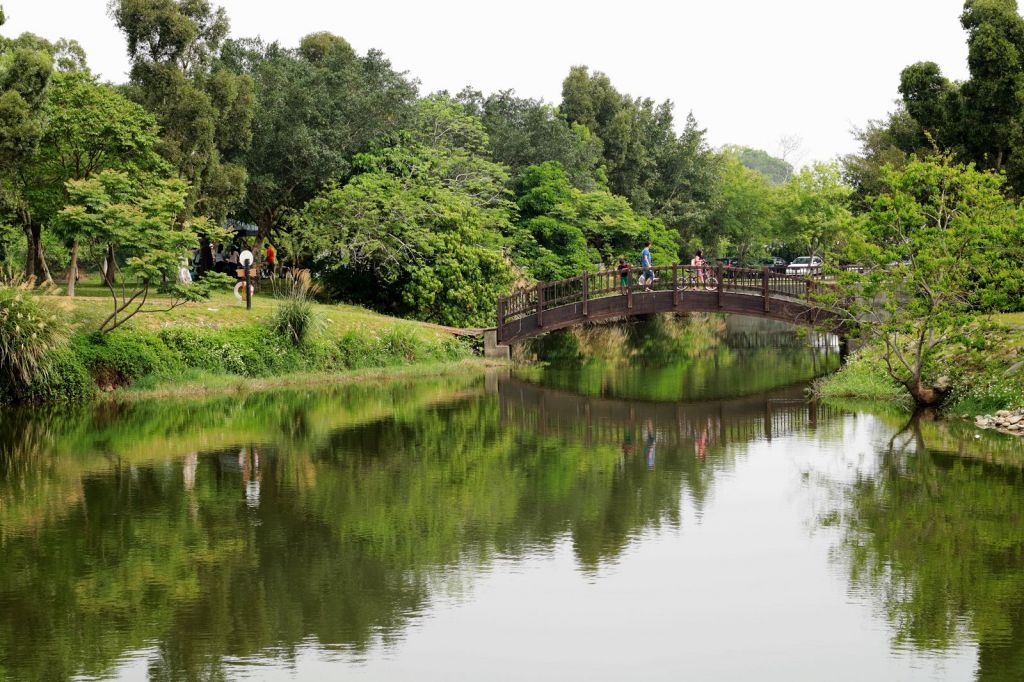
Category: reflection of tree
[664,359]
[938,541]
[356,522]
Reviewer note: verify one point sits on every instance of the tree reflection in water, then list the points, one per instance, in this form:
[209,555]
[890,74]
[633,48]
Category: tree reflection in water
[935,537]
[334,517]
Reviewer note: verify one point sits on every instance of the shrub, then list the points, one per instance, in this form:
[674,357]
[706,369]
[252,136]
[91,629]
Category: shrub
[245,351]
[863,378]
[66,380]
[358,350]
[296,317]
[125,355]
[400,344]
[29,332]
[397,345]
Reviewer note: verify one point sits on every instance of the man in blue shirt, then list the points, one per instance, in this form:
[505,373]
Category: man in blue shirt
[645,263]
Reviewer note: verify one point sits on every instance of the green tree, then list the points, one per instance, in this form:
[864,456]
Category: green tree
[995,55]
[316,107]
[204,109]
[941,246]
[813,212]
[526,132]
[135,219]
[982,119]
[743,222]
[561,231]
[89,128]
[887,142]
[663,174]
[929,99]
[25,69]
[419,229]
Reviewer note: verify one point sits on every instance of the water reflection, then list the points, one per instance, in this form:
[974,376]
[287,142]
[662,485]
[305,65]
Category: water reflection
[933,534]
[334,525]
[680,359]
[207,541]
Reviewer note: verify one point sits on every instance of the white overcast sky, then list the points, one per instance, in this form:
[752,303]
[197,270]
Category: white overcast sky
[752,71]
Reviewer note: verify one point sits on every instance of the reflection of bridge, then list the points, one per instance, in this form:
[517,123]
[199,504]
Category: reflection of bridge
[607,421]
[677,288]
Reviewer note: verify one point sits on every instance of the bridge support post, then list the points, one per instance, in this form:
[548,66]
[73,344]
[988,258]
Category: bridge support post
[586,294]
[629,289]
[540,305]
[675,285]
[764,290]
[721,283]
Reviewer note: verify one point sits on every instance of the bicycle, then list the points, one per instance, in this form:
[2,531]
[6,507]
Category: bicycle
[710,279]
[705,278]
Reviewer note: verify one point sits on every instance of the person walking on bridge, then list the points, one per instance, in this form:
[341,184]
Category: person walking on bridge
[647,276]
[697,263]
[623,269]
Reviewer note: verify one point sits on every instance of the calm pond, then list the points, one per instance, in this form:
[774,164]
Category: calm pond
[696,518]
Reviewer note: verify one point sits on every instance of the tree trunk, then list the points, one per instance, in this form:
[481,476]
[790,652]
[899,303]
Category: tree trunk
[108,271]
[30,251]
[73,269]
[35,259]
[926,396]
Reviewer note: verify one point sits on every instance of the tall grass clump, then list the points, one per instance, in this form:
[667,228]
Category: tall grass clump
[296,317]
[30,331]
[862,378]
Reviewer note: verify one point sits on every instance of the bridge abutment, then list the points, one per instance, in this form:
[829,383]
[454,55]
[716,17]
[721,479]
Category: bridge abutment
[494,350]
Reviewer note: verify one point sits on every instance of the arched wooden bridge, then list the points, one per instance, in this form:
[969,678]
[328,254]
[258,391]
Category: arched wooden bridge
[593,296]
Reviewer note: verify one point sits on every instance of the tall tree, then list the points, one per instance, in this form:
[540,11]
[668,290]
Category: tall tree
[995,55]
[26,66]
[526,132]
[981,119]
[90,127]
[663,174]
[204,110]
[929,99]
[316,107]
[419,230]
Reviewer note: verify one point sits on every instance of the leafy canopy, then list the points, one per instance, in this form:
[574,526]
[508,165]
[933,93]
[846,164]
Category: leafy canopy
[562,231]
[136,218]
[940,247]
[419,230]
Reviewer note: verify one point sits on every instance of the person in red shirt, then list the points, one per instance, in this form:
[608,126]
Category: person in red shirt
[271,257]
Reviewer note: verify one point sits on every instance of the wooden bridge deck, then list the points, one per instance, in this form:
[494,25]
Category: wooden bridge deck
[549,306]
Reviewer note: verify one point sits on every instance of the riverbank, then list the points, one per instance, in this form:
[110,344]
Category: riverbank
[218,347]
[985,378]
[236,385]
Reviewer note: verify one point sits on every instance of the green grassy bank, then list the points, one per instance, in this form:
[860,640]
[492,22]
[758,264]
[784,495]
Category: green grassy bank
[217,346]
[985,377]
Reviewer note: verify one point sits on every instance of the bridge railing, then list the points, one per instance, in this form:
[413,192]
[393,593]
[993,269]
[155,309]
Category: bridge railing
[589,286]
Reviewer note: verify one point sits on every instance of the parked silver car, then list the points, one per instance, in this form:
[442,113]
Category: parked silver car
[805,265]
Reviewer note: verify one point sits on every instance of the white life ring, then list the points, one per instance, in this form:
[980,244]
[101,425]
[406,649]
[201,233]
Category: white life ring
[252,290]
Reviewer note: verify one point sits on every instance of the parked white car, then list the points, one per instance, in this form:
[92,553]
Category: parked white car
[805,265]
